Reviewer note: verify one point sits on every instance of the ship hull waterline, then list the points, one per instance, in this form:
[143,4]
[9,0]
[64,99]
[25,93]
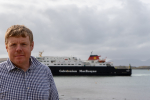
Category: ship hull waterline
[89,71]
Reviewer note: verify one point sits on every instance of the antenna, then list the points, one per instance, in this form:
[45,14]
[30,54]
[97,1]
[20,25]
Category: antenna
[91,52]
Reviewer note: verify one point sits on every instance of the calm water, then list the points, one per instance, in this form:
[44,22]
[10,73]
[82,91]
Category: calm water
[135,87]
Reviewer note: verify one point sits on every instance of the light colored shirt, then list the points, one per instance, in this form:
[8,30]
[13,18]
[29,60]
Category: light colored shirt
[35,84]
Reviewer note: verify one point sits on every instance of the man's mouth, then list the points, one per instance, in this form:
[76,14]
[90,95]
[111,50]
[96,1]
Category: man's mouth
[19,55]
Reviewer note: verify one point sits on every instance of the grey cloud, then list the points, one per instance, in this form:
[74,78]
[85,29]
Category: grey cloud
[114,32]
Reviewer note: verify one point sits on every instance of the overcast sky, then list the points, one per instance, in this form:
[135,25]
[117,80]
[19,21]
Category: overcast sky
[116,29]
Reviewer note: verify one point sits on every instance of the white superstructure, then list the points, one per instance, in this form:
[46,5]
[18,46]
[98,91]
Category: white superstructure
[73,61]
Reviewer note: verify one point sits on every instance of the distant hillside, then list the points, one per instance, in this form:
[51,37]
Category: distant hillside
[2,59]
[121,67]
[143,67]
[133,67]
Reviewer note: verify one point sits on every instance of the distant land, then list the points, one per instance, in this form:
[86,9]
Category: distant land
[117,67]
[133,67]
[2,59]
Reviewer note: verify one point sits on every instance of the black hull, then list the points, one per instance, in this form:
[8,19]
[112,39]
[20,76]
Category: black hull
[89,71]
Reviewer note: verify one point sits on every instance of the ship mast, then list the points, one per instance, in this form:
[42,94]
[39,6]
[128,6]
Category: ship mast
[40,54]
[91,52]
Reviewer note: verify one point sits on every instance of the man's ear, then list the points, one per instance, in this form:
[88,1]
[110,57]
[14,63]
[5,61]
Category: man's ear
[32,45]
[6,46]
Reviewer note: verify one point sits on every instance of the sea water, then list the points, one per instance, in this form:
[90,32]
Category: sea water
[135,87]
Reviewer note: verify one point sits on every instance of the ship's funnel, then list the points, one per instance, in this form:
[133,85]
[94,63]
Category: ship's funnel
[94,57]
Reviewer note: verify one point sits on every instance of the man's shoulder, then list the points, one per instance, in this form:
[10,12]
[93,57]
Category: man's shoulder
[44,67]
[39,66]
[37,63]
[3,65]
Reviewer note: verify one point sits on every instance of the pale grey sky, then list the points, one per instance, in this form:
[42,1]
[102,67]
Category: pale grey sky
[116,29]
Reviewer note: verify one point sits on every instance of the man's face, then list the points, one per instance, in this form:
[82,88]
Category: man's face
[19,50]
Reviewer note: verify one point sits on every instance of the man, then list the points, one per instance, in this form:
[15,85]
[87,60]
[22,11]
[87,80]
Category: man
[22,77]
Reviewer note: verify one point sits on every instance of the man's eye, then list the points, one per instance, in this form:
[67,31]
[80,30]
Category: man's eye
[12,44]
[23,44]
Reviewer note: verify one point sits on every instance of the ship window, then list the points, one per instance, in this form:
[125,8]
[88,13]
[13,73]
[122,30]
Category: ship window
[72,64]
[47,61]
[44,61]
[68,64]
[47,64]
[79,64]
[52,61]
[54,64]
[58,64]
[103,64]
[61,64]
[92,61]
[100,64]
[65,64]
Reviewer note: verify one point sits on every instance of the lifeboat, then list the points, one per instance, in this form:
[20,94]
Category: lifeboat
[102,61]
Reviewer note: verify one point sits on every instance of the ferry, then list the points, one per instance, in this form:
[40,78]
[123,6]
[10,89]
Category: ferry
[94,66]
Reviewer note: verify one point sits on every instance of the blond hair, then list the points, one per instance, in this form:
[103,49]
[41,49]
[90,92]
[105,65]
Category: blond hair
[17,31]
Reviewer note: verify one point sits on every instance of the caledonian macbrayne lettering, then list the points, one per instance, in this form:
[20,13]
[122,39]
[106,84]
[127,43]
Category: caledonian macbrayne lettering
[75,71]
[68,71]
[87,71]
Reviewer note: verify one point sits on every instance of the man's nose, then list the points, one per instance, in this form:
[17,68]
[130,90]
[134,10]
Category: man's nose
[19,48]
